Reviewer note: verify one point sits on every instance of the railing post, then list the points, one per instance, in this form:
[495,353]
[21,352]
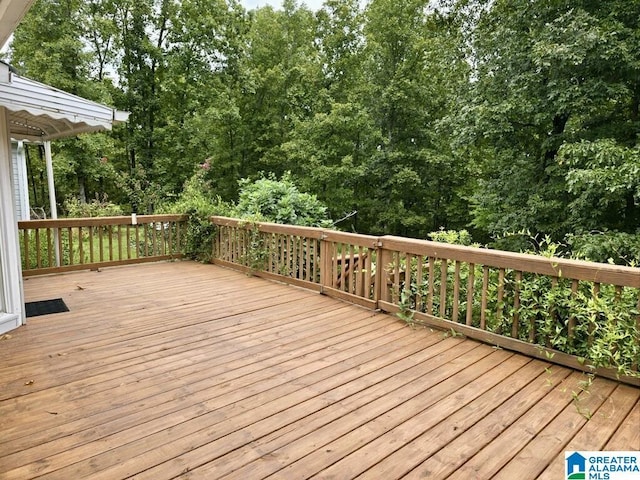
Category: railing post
[382,257]
[325,263]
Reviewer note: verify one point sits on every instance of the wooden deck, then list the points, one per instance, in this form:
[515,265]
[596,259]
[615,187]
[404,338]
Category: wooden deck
[183,370]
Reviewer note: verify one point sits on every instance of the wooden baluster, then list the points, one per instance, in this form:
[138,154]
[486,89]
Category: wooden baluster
[396,277]
[470,288]
[273,253]
[50,253]
[352,270]
[172,247]
[291,255]
[233,242]
[444,267]
[309,243]
[325,266]
[236,249]
[297,267]
[154,239]
[38,249]
[553,312]
[128,233]
[430,285]
[316,262]
[90,232]
[500,306]
[137,249]
[110,229]
[163,238]
[344,271]
[571,326]
[419,282]
[359,272]
[281,256]
[25,246]
[223,243]
[70,236]
[80,246]
[242,256]
[119,240]
[515,327]
[456,293]
[216,239]
[618,294]
[59,233]
[367,275]
[302,272]
[232,234]
[484,297]
[146,238]
[408,258]
[162,247]
[100,243]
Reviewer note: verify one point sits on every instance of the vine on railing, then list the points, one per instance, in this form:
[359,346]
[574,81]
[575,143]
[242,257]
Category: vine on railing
[50,246]
[270,250]
[581,314]
[587,310]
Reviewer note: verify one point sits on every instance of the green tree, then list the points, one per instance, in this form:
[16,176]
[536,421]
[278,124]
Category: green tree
[340,41]
[414,67]
[554,105]
[49,46]
[330,151]
[204,85]
[283,78]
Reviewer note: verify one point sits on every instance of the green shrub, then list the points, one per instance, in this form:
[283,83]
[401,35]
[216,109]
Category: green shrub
[98,207]
[456,237]
[279,201]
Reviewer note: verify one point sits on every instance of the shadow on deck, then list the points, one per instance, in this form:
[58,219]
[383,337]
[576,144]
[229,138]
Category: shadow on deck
[183,370]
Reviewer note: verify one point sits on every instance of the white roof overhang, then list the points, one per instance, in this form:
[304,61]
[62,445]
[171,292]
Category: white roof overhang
[38,112]
[11,12]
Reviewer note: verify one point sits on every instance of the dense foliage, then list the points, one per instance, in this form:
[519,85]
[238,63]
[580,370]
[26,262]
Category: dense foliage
[280,201]
[402,117]
[597,324]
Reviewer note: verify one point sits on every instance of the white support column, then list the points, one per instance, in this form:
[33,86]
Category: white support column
[12,302]
[50,180]
[23,183]
[53,206]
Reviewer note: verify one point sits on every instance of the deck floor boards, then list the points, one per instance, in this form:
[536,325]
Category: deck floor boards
[184,370]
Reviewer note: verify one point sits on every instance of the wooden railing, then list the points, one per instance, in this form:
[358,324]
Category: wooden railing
[51,246]
[543,307]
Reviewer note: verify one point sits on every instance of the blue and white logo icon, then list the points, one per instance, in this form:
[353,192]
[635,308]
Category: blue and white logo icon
[602,465]
[576,466]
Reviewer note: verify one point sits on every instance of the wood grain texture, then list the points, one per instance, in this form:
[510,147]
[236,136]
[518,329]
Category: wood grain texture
[184,370]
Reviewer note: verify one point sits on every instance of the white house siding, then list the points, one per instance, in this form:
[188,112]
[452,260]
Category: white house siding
[11,298]
[20,181]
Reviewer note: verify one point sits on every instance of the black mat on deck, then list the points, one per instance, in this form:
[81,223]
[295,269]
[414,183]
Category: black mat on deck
[45,307]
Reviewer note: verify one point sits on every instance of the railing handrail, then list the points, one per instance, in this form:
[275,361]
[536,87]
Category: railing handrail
[98,221]
[525,262]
